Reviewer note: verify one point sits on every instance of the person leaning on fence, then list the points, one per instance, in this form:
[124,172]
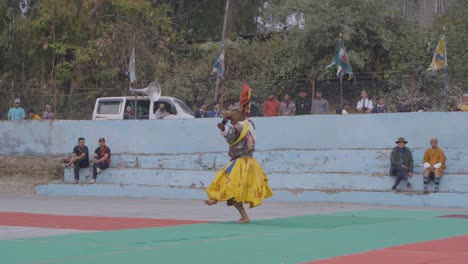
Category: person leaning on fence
[380,107]
[48,114]
[364,105]
[303,104]
[202,113]
[16,113]
[434,165]
[287,107]
[101,159]
[271,106]
[32,115]
[320,104]
[401,164]
[79,158]
[463,106]
[215,112]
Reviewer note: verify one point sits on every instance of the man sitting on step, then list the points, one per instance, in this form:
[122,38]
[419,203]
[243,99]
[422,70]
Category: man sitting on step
[434,165]
[101,159]
[79,158]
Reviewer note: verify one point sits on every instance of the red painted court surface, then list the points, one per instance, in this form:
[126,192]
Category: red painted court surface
[444,251]
[92,223]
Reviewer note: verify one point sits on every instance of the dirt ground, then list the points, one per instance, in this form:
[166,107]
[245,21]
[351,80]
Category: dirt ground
[19,175]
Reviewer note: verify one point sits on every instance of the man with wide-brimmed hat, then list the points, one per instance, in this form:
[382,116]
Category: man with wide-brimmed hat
[401,161]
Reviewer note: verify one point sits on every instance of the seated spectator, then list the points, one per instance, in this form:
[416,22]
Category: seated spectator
[101,159]
[401,164]
[216,112]
[48,114]
[201,113]
[343,110]
[271,106]
[365,104]
[16,113]
[129,113]
[434,165]
[287,107]
[161,113]
[320,104]
[380,108]
[79,159]
[32,115]
[463,106]
[303,104]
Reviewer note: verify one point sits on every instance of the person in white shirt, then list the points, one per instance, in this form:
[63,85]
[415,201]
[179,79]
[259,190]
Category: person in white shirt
[365,104]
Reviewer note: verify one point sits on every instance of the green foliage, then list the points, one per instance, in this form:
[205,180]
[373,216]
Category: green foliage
[85,45]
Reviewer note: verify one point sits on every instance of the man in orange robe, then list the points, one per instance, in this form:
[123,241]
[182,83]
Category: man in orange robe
[434,165]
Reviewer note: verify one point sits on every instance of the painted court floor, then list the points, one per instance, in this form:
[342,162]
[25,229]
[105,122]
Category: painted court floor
[118,230]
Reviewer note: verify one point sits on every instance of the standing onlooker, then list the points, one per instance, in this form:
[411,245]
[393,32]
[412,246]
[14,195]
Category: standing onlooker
[101,159]
[365,104]
[216,112]
[48,114]
[32,115]
[303,104]
[254,110]
[271,106]
[380,108]
[161,113]
[434,164]
[79,159]
[463,106]
[287,107]
[201,113]
[16,113]
[401,164]
[320,104]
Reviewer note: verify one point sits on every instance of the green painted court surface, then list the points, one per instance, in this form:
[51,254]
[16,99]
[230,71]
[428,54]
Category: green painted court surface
[282,240]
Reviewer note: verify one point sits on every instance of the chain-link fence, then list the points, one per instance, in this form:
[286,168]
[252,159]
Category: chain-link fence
[401,93]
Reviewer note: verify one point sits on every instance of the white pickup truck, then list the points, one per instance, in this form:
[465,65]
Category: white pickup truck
[113,108]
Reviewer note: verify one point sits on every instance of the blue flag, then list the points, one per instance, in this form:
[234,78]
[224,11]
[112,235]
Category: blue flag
[218,66]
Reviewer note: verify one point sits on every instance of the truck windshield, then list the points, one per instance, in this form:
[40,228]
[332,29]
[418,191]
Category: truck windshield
[184,107]
[109,107]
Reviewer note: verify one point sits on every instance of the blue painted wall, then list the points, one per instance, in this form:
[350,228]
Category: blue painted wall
[302,155]
[330,132]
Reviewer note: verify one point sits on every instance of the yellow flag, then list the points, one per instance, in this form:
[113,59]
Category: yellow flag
[439,60]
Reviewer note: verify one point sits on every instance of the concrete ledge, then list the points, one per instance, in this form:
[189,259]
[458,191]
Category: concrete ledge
[289,181]
[364,197]
[366,161]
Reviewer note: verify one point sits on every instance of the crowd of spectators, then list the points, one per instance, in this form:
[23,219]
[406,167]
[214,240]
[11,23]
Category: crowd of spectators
[302,105]
[17,113]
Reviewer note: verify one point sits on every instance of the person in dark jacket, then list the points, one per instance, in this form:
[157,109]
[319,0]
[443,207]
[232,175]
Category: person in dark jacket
[303,104]
[202,113]
[401,161]
[380,107]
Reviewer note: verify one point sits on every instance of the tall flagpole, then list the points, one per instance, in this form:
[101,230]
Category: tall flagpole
[341,76]
[445,71]
[223,36]
[341,91]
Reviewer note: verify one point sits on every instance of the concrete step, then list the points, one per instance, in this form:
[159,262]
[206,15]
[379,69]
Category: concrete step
[372,161]
[315,181]
[441,199]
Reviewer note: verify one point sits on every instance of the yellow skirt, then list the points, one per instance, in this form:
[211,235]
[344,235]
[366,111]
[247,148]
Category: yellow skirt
[241,181]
